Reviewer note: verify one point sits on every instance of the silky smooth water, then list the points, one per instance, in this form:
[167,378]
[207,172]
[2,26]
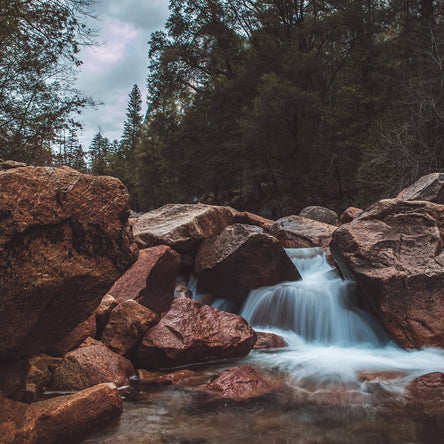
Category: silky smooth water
[322,400]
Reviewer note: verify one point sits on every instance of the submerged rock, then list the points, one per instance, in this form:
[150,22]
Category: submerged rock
[64,239]
[238,384]
[181,226]
[394,252]
[241,258]
[300,232]
[430,188]
[127,325]
[58,419]
[151,280]
[269,340]
[321,214]
[192,332]
[93,363]
[425,395]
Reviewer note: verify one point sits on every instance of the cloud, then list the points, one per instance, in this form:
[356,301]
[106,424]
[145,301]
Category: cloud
[110,70]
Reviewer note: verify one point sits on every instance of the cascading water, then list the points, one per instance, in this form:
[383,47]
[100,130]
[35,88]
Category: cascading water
[319,308]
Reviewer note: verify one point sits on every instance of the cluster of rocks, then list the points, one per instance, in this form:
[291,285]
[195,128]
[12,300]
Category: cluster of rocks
[88,297]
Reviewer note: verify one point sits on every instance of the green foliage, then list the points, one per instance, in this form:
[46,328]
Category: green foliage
[271,105]
[39,43]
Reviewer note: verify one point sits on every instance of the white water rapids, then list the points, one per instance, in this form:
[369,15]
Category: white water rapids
[330,339]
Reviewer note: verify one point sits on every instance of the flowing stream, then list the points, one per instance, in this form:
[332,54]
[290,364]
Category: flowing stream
[324,398]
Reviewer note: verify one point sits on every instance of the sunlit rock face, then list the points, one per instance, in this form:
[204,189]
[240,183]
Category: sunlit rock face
[64,239]
[394,251]
[241,258]
[430,188]
[181,226]
[191,333]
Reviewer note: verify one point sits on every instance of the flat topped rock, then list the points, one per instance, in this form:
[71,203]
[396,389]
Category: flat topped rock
[181,226]
[300,232]
[429,188]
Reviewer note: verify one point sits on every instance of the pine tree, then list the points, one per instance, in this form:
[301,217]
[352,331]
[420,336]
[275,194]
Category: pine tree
[133,124]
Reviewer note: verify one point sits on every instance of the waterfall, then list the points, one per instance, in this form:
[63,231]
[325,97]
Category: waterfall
[319,308]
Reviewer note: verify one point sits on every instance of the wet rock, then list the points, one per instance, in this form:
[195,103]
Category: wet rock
[321,214]
[103,312]
[181,226]
[429,188]
[12,377]
[182,290]
[179,377]
[151,280]
[238,384]
[93,363]
[84,330]
[269,340]
[192,332]
[381,375]
[300,232]
[241,258]
[425,395]
[58,419]
[349,214]
[127,325]
[394,253]
[64,239]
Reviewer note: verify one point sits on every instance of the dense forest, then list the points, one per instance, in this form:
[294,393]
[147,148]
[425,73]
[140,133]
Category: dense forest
[266,105]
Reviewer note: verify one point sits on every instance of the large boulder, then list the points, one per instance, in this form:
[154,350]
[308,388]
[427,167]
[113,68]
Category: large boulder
[151,280]
[127,325]
[241,258]
[192,332]
[238,384]
[58,419]
[91,364]
[181,226]
[430,188]
[300,232]
[64,239]
[321,214]
[394,251]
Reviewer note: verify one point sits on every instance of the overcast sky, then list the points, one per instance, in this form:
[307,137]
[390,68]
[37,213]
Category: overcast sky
[109,71]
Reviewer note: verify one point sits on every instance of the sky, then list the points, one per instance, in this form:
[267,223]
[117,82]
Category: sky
[110,70]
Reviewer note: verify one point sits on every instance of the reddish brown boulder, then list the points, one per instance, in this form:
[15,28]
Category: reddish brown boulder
[91,364]
[192,332]
[300,232]
[245,217]
[321,214]
[103,312]
[151,280]
[241,258]
[394,252]
[181,226]
[179,377]
[64,239]
[349,214]
[84,330]
[58,419]
[238,384]
[430,188]
[127,325]
[269,340]
[425,395]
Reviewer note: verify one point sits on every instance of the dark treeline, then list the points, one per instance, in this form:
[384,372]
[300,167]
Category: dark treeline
[272,105]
